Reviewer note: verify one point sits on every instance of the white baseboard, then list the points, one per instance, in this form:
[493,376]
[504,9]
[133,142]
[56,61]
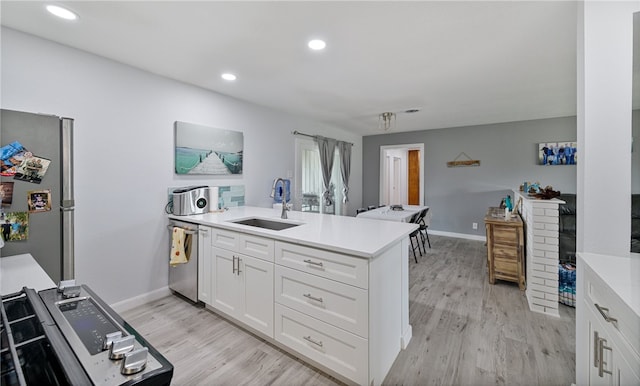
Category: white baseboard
[457,235]
[128,304]
[406,338]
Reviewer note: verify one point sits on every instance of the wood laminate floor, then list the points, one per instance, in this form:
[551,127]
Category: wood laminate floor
[465,332]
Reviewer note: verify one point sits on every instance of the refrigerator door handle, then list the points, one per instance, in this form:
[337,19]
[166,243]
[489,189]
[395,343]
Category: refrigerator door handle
[66,200]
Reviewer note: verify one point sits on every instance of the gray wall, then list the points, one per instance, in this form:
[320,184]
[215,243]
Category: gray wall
[460,196]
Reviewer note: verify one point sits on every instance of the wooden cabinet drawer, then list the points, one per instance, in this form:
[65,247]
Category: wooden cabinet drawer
[505,252]
[340,351]
[249,245]
[626,325]
[334,266]
[504,234]
[341,305]
[506,267]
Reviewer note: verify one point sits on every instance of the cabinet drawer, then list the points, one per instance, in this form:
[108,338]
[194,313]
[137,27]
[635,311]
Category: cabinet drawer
[225,239]
[340,351]
[249,245]
[506,267]
[341,305]
[627,325]
[257,247]
[505,252]
[505,235]
[334,266]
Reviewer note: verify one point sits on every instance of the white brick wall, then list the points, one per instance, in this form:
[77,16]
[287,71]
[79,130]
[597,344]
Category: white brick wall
[541,227]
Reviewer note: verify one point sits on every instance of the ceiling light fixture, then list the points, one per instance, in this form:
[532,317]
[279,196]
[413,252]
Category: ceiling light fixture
[62,13]
[317,44]
[386,121]
[228,76]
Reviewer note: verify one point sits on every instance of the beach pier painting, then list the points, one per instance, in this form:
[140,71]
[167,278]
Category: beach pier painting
[207,150]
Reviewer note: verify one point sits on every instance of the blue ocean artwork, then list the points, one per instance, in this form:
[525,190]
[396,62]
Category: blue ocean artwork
[188,158]
[233,161]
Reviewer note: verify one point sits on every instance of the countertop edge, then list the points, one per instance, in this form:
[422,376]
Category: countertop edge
[227,225]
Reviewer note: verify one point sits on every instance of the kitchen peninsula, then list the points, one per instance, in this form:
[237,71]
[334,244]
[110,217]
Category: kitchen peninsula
[332,290]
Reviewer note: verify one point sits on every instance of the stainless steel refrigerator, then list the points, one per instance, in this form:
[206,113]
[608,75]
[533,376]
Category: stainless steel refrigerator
[48,234]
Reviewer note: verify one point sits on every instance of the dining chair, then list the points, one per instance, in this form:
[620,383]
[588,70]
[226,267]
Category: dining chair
[414,235]
[423,228]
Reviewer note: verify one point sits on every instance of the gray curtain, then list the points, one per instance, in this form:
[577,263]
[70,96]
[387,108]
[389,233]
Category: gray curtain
[327,148]
[345,167]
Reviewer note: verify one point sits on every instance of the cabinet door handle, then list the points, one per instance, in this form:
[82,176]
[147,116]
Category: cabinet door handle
[239,270]
[308,261]
[596,350]
[234,264]
[603,312]
[602,347]
[309,296]
[310,339]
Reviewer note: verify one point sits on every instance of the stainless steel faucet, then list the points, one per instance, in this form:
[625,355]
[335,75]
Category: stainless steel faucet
[284,195]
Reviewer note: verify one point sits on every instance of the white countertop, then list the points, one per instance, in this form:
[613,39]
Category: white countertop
[350,235]
[621,273]
[385,213]
[22,271]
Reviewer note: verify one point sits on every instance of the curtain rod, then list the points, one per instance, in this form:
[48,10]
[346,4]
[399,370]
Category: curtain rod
[296,132]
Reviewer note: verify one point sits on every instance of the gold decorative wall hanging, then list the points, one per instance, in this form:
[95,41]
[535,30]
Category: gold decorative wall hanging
[465,162]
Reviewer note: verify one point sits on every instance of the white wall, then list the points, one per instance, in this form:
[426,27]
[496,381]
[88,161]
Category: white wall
[124,152]
[605,61]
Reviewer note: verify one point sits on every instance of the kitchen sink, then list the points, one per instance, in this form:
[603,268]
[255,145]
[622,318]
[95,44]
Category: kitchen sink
[266,224]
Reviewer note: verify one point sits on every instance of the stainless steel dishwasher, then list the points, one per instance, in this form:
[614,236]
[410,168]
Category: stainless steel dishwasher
[183,278]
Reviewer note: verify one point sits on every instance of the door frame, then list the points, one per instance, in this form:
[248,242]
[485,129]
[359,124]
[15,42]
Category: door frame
[382,176]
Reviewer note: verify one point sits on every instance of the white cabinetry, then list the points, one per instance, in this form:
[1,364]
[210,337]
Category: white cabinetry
[204,265]
[241,278]
[344,314]
[607,332]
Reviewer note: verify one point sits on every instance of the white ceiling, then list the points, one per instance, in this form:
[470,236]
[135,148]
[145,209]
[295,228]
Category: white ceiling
[461,63]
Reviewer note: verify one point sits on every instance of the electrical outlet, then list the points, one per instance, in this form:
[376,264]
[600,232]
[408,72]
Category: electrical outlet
[475,225]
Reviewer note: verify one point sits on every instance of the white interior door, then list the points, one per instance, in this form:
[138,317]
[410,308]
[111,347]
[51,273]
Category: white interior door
[396,187]
[393,173]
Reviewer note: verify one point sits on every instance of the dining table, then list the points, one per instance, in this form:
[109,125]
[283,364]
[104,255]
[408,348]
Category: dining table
[404,215]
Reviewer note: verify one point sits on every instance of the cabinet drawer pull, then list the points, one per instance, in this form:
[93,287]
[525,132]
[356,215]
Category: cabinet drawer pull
[603,312]
[602,347]
[316,342]
[309,296]
[308,261]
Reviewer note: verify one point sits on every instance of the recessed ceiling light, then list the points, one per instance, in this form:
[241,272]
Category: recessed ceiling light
[61,12]
[317,44]
[228,76]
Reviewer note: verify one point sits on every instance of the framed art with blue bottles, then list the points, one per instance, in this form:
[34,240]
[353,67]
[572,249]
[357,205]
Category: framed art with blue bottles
[558,153]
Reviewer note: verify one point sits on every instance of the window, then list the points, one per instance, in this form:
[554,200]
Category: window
[308,183]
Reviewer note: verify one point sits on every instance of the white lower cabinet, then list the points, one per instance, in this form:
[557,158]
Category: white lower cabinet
[242,287]
[339,350]
[606,334]
[204,265]
[314,303]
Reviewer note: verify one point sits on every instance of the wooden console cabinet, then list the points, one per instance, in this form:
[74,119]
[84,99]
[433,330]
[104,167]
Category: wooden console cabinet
[505,247]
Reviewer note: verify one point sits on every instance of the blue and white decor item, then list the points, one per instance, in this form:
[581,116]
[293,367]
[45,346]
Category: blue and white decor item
[557,153]
[207,150]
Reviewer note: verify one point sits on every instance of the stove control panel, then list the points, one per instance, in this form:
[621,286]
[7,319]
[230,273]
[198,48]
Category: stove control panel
[110,353]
